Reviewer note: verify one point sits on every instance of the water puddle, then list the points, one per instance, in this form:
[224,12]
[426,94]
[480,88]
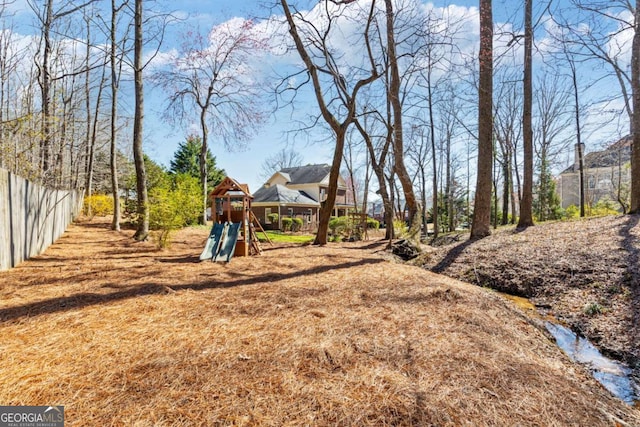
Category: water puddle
[613,375]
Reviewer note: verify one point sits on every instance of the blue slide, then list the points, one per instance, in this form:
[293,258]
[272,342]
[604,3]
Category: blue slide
[229,244]
[213,242]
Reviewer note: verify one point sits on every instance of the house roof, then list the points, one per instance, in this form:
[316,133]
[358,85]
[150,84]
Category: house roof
[307,174]
[614,154]
[282,195]
[230,185]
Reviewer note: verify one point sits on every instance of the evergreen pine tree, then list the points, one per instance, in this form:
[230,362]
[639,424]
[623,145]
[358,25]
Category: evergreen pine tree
[185,160]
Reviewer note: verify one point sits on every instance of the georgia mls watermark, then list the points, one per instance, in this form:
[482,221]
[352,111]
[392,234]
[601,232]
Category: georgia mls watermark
[31,416]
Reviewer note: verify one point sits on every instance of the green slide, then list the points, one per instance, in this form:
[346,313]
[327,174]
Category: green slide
[213,242]
[229,244]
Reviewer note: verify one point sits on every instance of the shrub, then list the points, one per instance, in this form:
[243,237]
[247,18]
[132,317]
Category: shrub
[400,227]
[592,309]
[273,218]
[171,208]
[572,211]
[373,223]
[605,206]
[339,225]
[296,225]
[286,224]
[98,205]
[344,226]
[187,196]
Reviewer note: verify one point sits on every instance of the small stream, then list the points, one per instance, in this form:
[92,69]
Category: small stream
[614,376]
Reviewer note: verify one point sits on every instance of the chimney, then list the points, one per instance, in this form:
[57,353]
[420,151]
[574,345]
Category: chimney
[576,165]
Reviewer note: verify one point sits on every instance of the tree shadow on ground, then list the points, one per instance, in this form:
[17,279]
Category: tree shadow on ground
[82,300]
[451,256]
[631,244]
[375,244]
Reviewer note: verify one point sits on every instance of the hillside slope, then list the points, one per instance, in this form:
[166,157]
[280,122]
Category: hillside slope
[584,272]
[123,334]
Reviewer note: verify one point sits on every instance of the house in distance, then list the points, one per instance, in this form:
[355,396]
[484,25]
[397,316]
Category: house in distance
[297,193]
[605,172]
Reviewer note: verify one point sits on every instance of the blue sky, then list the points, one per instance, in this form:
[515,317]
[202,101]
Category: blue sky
[278,133]
[162,139]
[245,166]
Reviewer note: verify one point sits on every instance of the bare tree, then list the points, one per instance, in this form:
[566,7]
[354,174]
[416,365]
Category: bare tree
[48,17]
[378,149]
[316,41]
[142,226]
[415,219]
[635,151]
[481,226]
[526,203]
[209,77]
[553,118]
[285,158]
[507,128]
[115,62]
[591,31]
[417,153]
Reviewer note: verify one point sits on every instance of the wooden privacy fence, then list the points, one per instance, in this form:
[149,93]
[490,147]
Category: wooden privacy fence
[32,217]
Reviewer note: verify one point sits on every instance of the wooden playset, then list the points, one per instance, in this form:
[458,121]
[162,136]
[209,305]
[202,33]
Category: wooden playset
[233,231]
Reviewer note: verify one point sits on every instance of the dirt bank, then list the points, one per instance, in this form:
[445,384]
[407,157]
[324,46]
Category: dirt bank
[584,272]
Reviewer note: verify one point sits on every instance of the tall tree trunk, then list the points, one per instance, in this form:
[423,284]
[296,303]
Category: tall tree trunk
[432,134]
[203,161]
[142,228]
[339,128]
[579,145]
[45,138]
[415,225]
[367,178]
[113,148]
[378,169]
[326,206]
[449,186]
[635,149]
[526,204]
[352,177]
[481,226]
[90,142]
[506,189]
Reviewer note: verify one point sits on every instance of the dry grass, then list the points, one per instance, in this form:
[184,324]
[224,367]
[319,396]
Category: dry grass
[124,335]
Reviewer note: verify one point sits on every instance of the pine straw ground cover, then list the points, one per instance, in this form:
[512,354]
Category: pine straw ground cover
[122,334]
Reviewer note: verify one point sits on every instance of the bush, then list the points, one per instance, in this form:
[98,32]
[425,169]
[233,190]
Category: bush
[296,225]
[345,227]
[592,309]
[571,212]
[286,224]
[373,224]
[273,218]
[171,208]
[605,206]
[339,225]
[98,205]
[400,227]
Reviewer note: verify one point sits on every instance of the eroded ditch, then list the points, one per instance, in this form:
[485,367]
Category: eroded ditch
[615,376]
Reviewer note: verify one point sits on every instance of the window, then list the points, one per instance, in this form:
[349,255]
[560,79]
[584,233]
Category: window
[592,181]
[267,212]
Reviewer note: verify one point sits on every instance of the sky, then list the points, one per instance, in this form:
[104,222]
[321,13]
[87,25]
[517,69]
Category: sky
[280,130]
[162,137]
